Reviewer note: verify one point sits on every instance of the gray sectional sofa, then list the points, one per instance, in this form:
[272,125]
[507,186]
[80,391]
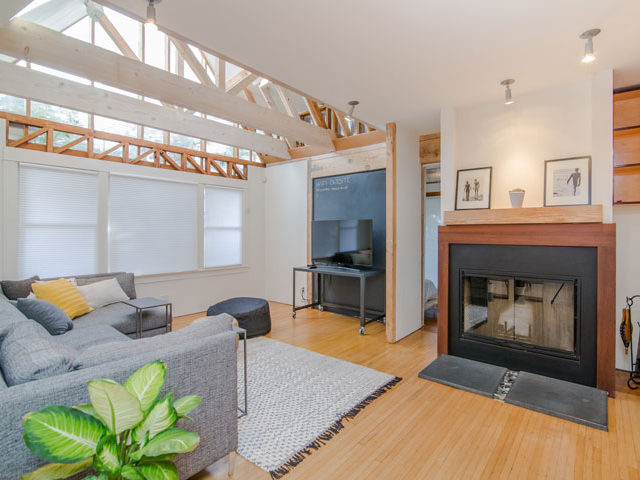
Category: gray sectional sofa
[201,360]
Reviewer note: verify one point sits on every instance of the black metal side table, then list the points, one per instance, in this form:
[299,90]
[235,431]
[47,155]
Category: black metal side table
[242,333]
[141,304]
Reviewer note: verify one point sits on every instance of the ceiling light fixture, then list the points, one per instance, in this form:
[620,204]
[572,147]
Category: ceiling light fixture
[508,97]
[352,106]
[589,56]
[151,13]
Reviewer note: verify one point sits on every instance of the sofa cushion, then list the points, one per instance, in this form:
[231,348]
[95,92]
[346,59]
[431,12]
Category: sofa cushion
[28,353]
[104,292]
[9,315]
[123,318]
[63,294]
[110,352]
[46,314]
[14,289]
[81,338]
[126,281]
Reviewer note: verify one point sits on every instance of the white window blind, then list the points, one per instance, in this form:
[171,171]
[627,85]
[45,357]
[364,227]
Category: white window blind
[152,225]
[58,222]
[222,227]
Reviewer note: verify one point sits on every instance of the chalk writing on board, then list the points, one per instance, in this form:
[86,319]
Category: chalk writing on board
[333,184]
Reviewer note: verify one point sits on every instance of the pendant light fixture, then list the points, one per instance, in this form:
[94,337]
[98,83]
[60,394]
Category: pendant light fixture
[508,96]
[151,13]
[589,55]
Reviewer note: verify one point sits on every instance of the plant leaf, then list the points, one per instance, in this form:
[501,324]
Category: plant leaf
[146,382]
[106,459]
[55,471]
[116,406]
[164,470]
[130,473]
[89,410]
[175,440]
[62,434]
[186,404]
[161,417]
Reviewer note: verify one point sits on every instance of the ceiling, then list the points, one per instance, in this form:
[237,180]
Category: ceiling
[405,60]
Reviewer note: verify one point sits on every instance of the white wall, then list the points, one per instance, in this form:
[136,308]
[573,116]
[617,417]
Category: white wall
[627,219]
[516,139]
[409,315]
[190,292]
[285,239]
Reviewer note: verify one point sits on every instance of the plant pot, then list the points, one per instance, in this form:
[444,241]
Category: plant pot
[516,199]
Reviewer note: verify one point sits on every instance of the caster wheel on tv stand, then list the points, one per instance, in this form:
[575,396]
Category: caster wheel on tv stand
[361,331]
[293,315]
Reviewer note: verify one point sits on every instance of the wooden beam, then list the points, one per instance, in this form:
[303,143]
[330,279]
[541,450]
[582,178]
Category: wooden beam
[27,83]
[390,269]
[265,91]
[41,45]
[286,101]
[192,61]
[118,39]
[235,87]
[316,114]
[344,143]
[220,68]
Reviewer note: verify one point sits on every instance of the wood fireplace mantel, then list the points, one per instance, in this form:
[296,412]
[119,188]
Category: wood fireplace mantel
[598,235]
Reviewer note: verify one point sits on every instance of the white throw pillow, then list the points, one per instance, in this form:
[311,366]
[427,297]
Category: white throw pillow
[103,293]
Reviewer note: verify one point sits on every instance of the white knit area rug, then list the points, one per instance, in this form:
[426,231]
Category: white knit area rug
[298,400]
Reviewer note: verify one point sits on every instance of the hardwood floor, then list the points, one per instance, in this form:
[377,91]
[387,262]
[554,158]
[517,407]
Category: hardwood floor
[423,430]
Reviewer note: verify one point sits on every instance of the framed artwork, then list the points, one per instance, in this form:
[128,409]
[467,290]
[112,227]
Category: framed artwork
[473,189]
[567,181]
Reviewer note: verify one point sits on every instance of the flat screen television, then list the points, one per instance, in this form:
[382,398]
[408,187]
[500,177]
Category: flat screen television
[342,242]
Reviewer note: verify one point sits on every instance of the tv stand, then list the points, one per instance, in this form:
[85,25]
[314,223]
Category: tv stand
[319,270]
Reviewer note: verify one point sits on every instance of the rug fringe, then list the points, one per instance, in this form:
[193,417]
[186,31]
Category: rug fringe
[331,432]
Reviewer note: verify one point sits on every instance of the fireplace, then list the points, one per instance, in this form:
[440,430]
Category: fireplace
[538,298]
[524,307]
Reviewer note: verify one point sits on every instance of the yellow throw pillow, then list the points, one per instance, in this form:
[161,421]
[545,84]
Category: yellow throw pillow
[63,295]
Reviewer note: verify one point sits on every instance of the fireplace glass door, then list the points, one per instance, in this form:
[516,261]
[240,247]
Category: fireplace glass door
[524,311]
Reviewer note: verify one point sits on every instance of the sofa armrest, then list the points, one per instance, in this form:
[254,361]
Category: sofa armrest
[206,366]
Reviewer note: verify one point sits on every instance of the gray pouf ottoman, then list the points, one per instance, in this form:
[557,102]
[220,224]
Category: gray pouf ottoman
[252,314]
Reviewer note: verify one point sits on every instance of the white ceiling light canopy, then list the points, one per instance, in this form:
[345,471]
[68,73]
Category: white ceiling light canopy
[151,13]
[508,96]
[589,55]
[352,106]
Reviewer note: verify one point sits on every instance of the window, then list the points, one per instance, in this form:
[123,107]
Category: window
[58,222]
[222,227]
[153,225]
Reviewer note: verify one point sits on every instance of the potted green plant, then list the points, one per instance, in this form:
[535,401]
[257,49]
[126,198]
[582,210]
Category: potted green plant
[126,432]
[517,197]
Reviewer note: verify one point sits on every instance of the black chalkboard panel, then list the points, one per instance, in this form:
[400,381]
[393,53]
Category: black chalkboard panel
[355,196]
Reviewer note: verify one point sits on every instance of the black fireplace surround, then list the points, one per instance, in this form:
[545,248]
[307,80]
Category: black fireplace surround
[529,308]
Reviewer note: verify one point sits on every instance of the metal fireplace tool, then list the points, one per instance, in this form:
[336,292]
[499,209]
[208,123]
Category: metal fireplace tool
[626,332]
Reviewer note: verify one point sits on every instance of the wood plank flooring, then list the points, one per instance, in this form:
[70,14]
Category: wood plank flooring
[423,430]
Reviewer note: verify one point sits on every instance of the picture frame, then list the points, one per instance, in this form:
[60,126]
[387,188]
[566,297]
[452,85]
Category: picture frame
[473,189]
[567,181]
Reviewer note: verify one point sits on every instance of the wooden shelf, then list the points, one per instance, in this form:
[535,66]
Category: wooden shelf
[505,216]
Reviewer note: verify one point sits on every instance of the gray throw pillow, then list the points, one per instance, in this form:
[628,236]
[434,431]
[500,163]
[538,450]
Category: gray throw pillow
[46,314]
[15,289]
[29,353]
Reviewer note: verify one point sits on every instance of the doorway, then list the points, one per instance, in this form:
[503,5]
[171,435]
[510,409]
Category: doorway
[431,219]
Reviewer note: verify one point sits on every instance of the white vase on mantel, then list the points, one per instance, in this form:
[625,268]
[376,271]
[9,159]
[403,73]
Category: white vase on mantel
[516,197]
